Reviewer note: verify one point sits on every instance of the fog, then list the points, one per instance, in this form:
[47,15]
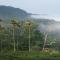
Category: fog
[55,27]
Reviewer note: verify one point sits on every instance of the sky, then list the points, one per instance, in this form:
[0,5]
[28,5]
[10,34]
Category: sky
[48,8]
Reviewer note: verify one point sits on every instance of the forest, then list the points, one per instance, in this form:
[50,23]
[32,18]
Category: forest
[22,40]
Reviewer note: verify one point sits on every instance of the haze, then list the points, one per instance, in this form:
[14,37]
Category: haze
[49,7]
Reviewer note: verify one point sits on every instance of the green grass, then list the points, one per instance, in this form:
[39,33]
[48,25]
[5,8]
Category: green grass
[29,56]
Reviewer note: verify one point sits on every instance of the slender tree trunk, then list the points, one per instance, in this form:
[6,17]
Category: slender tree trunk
[29,39]
[1,45]
[45,41]
[17,40]
[14,40]
[17,45]
[9,39]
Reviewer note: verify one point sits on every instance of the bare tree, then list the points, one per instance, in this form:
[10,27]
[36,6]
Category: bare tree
[48,29]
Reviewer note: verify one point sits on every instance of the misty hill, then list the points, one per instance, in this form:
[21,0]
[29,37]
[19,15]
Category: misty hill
[7,12]
[48,25]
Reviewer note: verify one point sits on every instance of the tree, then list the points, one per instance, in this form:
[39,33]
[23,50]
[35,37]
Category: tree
[15,24]
[28,24]
[45,39]
[48,29]
[33,35]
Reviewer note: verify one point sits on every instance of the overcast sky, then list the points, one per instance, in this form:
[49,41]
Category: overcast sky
[49,7]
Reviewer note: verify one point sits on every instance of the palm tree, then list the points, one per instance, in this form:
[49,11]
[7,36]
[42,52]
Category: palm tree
[28,24]
[15,24]
[18,26]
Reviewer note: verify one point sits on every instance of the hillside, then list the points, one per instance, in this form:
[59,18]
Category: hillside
[7,12]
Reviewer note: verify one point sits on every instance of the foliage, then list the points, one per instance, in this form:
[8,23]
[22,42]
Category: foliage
[21,37]
[30,56]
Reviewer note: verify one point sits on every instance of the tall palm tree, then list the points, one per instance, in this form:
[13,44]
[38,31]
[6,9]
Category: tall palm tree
[18,26]
[28,24]
[15,24]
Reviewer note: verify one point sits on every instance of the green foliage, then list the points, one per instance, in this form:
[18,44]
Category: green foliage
[29,56]
[21,37]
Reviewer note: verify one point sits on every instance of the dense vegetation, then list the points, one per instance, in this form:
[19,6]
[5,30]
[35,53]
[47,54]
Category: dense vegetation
[21,40]
[30,56]
[20,36]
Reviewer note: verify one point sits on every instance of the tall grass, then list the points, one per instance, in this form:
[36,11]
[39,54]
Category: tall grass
[30,56]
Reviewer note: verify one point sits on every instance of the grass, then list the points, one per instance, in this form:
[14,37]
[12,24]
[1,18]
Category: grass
[29,56]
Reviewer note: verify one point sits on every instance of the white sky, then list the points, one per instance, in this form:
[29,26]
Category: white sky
[50,7]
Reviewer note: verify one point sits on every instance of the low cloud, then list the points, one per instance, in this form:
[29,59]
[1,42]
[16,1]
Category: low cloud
[45,16]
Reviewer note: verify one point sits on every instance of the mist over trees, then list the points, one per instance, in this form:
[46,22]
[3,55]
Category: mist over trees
[20,36]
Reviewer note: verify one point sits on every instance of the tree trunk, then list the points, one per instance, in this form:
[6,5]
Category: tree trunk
[45,39]
[1,45]
[14,40]
[17,45]
[29,39]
